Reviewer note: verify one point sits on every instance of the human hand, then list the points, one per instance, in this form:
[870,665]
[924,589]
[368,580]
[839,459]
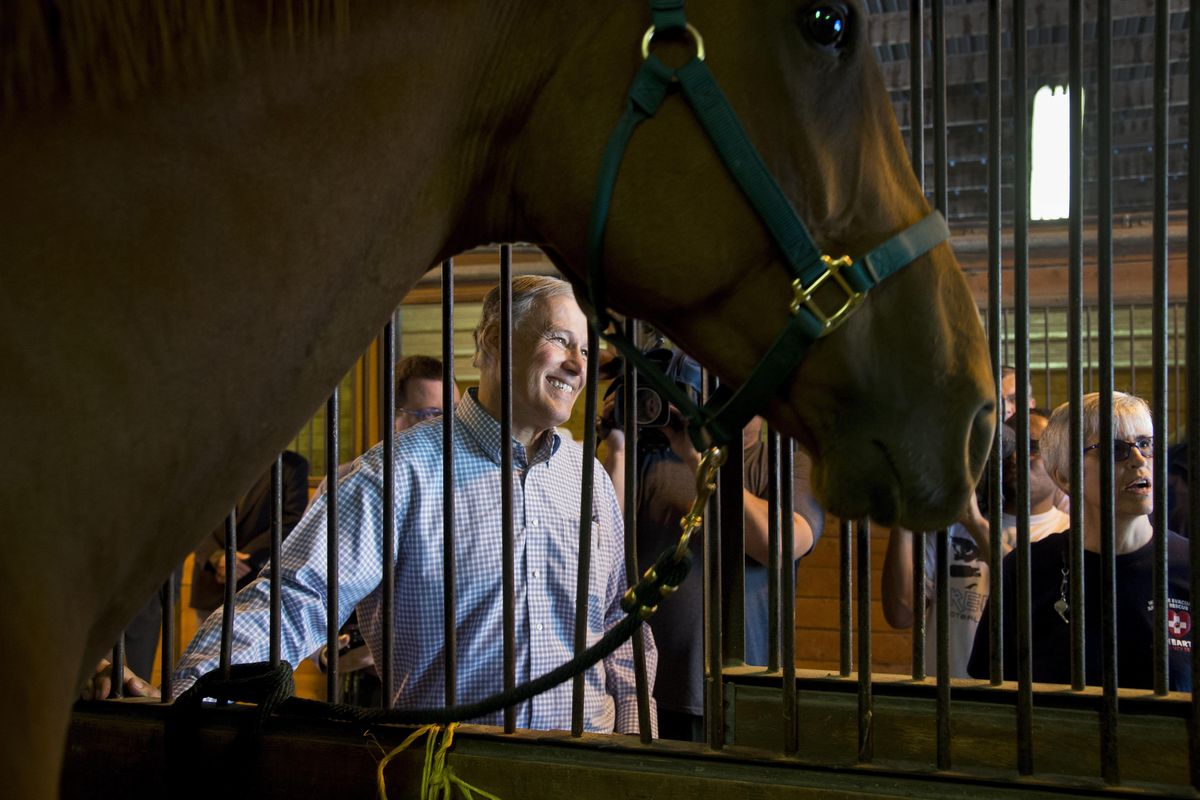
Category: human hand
[240,570]
[676,431]
[607,431]
[99,686]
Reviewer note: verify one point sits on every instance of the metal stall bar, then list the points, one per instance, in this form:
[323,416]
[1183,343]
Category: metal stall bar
[1074,340]
[1132,320]
[1021,340]
[1178,377]
[733,554]
[918,605]
[168,635]
[916,88]
[276,582]
[118,667]
[1046,354]
[787,590]
[1159,412]
[1193,359]
[333,693]
[387,414]
[845,587]
[995,339]
[506,484]
[943,649]
[629,413]
[866,729]
[714,711]
[230,588]
[586,497]
[773,555]
[449,571]
[941,202]
[1110,765]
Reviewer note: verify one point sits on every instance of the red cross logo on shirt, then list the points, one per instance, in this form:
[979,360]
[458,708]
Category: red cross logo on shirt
[1178,622]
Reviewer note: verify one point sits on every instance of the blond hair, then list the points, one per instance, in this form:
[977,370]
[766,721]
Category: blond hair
[1131,416]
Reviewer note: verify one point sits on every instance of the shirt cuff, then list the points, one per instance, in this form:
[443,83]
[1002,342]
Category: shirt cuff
[627,717]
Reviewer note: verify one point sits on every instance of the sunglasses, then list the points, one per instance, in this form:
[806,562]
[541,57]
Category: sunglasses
[1123,449]
[420,414]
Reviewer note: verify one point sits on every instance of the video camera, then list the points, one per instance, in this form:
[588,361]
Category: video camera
[653,410]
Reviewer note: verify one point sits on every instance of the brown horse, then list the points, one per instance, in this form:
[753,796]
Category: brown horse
[210,209]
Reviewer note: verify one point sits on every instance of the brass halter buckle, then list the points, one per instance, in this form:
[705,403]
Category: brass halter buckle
[805,298]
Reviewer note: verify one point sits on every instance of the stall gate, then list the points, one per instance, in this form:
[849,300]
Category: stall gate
[775,730]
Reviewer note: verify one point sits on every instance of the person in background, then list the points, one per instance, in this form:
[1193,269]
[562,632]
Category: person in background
[666,488]
[969,572]
[1050,563]
[253,519]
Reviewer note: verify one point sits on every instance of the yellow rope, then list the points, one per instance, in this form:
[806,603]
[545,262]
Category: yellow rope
[437,779]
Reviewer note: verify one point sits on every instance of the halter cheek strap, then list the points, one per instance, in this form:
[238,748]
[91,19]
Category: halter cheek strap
[721,420]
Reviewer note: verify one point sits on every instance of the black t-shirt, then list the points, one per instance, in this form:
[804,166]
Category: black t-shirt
[1135,617]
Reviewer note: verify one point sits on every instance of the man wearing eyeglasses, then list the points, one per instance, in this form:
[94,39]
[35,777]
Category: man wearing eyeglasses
[1051,575]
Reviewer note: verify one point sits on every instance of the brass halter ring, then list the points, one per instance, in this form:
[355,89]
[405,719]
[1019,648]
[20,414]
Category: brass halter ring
[649,36]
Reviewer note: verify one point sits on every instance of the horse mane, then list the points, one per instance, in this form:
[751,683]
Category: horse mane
[110,52]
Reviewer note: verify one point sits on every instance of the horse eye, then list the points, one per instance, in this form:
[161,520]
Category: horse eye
[826,24]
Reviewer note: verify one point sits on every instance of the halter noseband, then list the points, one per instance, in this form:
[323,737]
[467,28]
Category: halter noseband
[721,420]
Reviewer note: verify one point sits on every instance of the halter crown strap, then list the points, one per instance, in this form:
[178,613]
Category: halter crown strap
[721,420]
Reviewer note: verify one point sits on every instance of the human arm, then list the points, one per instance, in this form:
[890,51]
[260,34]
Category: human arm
[808,518]
[303,580]
[100,685]
[898,579]
[614,450]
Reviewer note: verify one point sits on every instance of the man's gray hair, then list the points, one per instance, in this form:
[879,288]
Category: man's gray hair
[527,290]
[1131,416]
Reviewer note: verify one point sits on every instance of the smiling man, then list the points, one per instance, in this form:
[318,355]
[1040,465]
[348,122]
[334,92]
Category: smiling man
[549,360]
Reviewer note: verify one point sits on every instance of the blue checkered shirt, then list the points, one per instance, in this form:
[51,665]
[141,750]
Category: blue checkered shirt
[546,534]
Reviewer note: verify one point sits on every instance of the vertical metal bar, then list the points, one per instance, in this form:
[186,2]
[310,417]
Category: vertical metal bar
[733,555]
[506,484]
[583,574]
[1075,342]
[230,588]
[714,710]
[845,587]
[916,87]
[1091,375]
[995,336]
[1132,321]
[1046,354]
[450,570]
[1162,431]
[1110,766]
[333,684]
[773,559]
[919,602]
[940,163]
[118,667]
[629,412]
[1004,320]
[866,727]
[1178,377]
[1021,341]
[787,590]
[943,649]
[387,427]
[167,594]
[1193,374]
[276,583]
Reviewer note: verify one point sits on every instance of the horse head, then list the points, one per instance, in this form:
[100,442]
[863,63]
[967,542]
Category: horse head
[895,405]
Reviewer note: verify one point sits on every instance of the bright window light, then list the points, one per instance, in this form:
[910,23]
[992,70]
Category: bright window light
[1049,183]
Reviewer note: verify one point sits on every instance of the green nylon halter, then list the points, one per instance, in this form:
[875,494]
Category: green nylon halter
[721,420]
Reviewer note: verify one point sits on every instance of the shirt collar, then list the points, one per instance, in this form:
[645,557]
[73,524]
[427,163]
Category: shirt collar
[485,430]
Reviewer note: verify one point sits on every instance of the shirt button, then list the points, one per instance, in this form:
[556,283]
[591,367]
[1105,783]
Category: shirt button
[533,523]
[537,573]
[539,626]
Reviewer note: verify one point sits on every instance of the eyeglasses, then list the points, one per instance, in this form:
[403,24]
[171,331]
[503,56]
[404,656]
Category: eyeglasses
[420,414]
[1123,449]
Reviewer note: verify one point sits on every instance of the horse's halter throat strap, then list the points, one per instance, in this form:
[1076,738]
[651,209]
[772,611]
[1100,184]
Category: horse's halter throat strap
[721,420]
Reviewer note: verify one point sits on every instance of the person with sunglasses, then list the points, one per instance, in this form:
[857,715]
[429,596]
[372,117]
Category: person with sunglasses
[1051,572]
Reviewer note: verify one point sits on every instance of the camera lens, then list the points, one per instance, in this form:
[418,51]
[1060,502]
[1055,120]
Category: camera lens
[649,406]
